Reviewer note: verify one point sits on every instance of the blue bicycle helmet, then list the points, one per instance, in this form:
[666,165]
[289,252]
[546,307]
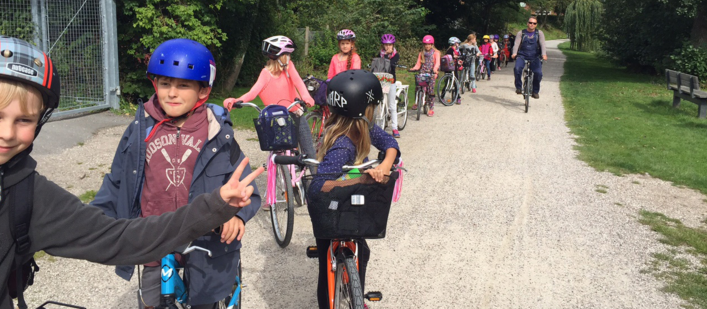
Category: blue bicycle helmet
[185,59]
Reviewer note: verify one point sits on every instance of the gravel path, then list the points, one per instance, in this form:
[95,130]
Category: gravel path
[496,212]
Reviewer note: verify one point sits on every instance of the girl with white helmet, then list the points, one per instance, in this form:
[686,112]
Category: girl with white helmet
[280,84]
[346,58]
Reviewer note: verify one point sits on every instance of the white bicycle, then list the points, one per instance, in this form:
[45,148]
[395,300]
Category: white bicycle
[382,113]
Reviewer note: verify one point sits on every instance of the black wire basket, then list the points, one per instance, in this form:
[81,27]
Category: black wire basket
[352,206]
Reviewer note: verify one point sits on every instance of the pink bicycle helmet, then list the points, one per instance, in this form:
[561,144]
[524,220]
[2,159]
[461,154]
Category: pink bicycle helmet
[275,46]
[428,39]
[388,39]
[345,34]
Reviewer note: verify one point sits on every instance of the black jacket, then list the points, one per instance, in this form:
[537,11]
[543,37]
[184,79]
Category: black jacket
[63,226]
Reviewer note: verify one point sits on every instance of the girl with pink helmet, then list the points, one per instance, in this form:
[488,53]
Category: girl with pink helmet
[274,87]
[428,62]
[346,58]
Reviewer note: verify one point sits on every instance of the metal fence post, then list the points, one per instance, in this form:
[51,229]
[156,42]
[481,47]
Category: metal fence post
[306,40]
[111,86]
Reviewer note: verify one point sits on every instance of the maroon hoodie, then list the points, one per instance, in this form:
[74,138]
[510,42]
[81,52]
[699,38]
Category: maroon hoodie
[170,159]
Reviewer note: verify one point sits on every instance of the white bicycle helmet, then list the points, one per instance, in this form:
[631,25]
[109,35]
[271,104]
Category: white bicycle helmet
[275,46]
[454,40]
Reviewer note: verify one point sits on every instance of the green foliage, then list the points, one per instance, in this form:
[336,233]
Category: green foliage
[691,60]
[88,196]
[641,34]
[17,23]
[625,122]
[582,20]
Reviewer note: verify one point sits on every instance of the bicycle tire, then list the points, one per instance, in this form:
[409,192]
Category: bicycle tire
[348,293]
[224,303]
[379,114]
[419,101]
[283,208]
[526,92]
[314,119]
[446,92]
[402,110]
[463,80]
[530,92]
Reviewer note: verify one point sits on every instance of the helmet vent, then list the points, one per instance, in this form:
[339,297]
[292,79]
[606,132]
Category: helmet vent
[161,61]
[190,66]
[175,63]
[6,53]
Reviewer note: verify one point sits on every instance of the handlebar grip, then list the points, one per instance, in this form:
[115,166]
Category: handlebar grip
[302,103]
[238,104]
[288,160]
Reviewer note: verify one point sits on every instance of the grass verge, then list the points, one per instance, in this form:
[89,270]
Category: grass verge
[625,122]
[684,267]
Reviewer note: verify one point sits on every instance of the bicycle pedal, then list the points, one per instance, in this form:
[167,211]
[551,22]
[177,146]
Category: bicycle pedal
[373,296]
[312,252]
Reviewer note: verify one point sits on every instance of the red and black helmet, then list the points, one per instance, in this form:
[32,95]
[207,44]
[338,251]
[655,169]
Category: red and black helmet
[21,61]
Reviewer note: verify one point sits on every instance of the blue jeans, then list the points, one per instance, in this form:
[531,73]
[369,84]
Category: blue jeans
[487,65]
[472,74]
[535,66]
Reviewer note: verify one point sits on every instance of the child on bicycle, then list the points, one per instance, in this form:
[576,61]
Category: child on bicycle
[495,48]
[185,147]
[487,51]
[428,62]
[59,223]
[453,50]
[388,51]
[470,45]
[274,87]
[352,96]
[346,58]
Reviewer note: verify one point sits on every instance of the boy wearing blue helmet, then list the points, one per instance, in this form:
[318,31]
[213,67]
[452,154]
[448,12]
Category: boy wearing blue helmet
[177,148]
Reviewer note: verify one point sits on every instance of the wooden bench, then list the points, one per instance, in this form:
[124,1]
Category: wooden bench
[687,87]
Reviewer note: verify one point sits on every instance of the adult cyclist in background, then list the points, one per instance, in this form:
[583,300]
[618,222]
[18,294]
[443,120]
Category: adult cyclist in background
[530,45]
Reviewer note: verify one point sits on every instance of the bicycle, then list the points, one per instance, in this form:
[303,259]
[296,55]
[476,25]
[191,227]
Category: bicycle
[466,73]
[316,118]
[422,96]
[284,188]
[382,113]
[344,284]
[448,89]
[173,290]
[502,58]
[481,70]
[527,89]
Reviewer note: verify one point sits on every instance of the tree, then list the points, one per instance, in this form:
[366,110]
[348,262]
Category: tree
[582,20]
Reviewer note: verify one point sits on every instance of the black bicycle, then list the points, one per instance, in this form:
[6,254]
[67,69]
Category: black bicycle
[527,89]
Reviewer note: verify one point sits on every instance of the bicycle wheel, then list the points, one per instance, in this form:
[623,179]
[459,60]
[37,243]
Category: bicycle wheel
[446,92]
[314,119]
[347,292]
[230,302]
[526,92]
[419,101]
[282,213]
[530,91]
[462,80]
[402,110]
[478,72]
[379,114]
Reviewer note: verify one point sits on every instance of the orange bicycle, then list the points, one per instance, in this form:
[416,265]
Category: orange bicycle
[355,207]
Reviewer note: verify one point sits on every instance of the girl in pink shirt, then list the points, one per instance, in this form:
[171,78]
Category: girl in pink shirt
[347,58]
[279,83]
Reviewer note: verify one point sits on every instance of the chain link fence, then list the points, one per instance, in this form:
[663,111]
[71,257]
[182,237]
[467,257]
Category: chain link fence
[81,38]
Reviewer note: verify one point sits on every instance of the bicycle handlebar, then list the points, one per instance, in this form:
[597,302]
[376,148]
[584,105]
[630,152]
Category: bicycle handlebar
[302,160]
[188,248]
[240,104]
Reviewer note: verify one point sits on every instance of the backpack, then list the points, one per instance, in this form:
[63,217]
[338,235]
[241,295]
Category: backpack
[380,65]
[446,63]
[276,129]
[20,215]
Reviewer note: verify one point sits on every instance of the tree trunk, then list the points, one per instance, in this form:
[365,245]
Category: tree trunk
[699,27]
[232,78]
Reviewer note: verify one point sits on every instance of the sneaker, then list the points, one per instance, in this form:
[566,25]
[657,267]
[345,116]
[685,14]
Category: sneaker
[536,96]
[518,91]
[459,101]
[414,107]
[489,78]
[430,113]
[396,134]
[473,90]
[265,207]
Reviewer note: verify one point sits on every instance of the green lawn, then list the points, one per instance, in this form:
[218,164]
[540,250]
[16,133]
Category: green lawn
[242,118]
[625,122]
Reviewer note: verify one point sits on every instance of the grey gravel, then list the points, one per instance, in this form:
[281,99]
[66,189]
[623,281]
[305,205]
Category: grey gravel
[496,212]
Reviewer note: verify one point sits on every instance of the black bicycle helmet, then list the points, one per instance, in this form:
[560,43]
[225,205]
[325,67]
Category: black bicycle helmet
[20,61]
[350,92]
